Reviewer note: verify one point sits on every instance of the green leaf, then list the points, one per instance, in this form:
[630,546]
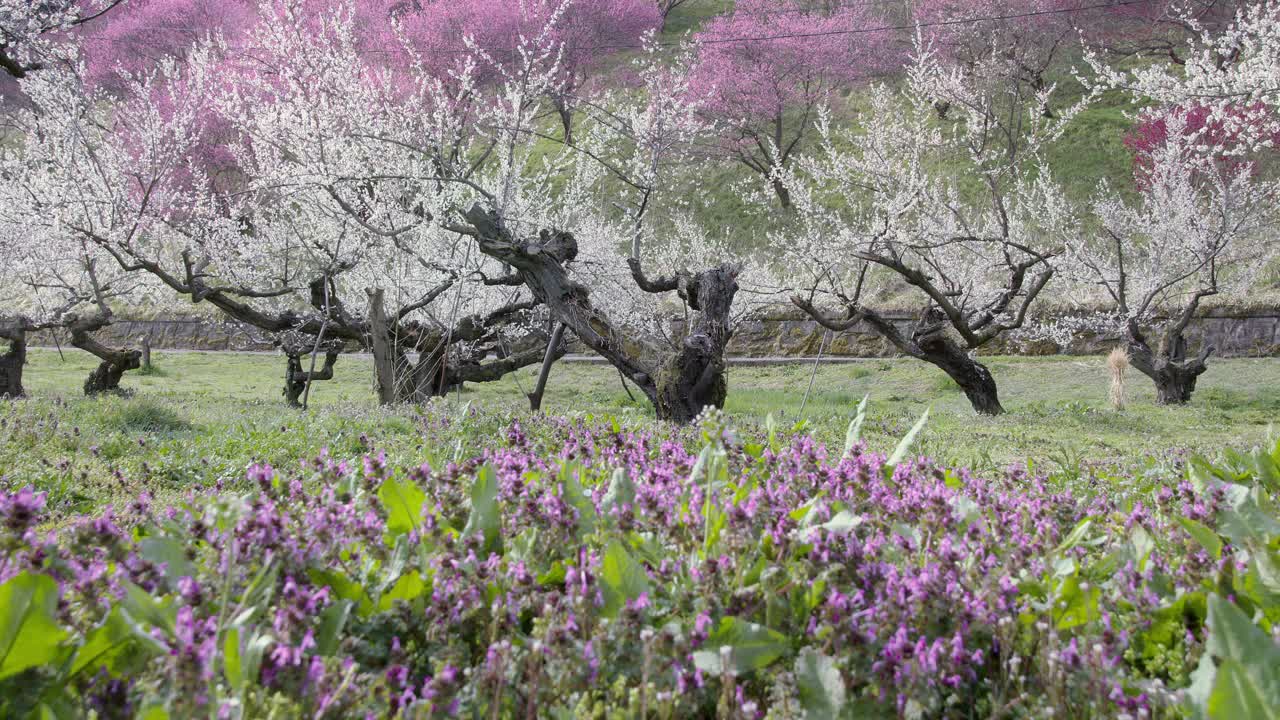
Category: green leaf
[29,632]
[154,712]
[486,516]
[1143,545]
[621,578]
[257,596]
[232,667]
[621,490]
[1207,538]
[904,447]
[1236,696]
[1233,635]
[147,610]
[577,498]
[332,621]
[1075,606]
[253,653]
[170,553]
[752,646]
[404,501]
[839,524]
[1076,536]
[822,691]
[854,433]
[408,588]
[344,588]
[112,644]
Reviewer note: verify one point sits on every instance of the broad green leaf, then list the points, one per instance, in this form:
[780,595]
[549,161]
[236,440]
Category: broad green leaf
[621,490]
[232,667]
[154,712]
[1143,545]
[839,524]
[485,516]
[577,498]
[1266,565]
[752,646]
[344,588]
[408,588]
[1202,682]
[170,553]
[1076,536]
[404,501]
[29,632]
[1247,521]
[621,578]
[1075,606]
[1207,538]
[1236,696]
[854,433]
[147,610]
[1266,469]
[1233,635]
[332,622]
[59,705]
[112,644]
[822,691]
[904,447]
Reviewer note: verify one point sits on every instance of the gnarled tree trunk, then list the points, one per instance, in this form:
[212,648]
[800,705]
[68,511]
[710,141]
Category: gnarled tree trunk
[972,376]
[299,349]
[296,379]
[679,384]
[446,357]
[1168,366]
[115,361]
[12,362]
[693,378]
[929,342]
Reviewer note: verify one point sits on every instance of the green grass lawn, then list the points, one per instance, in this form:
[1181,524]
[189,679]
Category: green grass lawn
[203,417]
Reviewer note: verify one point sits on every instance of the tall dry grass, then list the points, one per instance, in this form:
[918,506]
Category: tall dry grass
[1118,364]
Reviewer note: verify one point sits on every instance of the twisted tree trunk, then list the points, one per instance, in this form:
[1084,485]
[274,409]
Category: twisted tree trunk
[447,357]
[115,361]
[693,378]
[679,384]
[929,342]
[12,362]
[972,376]
[296,379]
[1168,366]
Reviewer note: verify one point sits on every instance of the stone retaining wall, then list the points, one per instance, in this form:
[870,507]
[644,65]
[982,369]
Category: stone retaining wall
[783,334]
[1233,334]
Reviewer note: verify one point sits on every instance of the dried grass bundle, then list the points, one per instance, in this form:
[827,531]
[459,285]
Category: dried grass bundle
[1118,363]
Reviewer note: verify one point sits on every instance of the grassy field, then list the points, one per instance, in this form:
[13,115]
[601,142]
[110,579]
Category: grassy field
[203,417]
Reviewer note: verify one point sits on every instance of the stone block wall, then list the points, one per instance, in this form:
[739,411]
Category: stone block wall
[783,333]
